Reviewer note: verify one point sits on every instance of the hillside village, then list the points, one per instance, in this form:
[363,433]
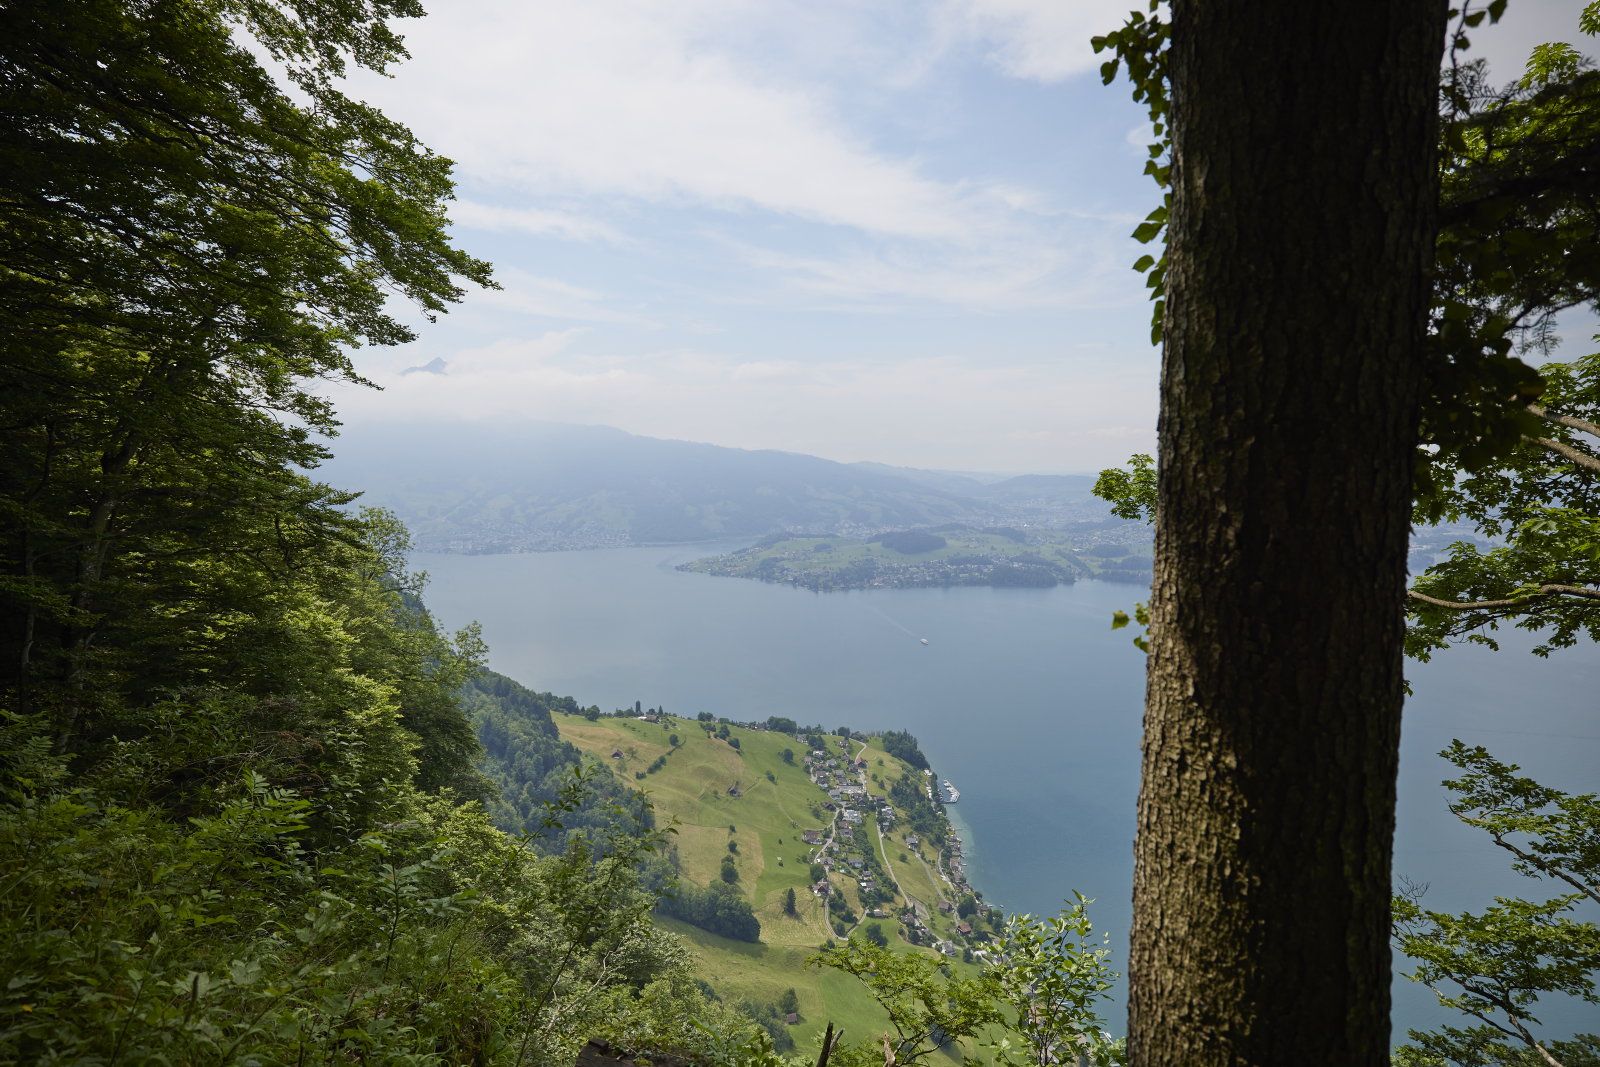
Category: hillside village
[844,849]
[855,833]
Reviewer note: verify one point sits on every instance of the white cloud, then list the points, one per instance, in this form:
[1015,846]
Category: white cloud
[530,294]
[1037,40]
[567,225]
[708,162]
[1141,137]
[1083,268]
[629,99]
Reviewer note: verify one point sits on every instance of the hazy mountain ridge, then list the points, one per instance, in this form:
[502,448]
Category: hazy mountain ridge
[546,486]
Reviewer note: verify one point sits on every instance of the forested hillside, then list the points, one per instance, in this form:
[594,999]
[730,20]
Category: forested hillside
[531,769]
[239,795]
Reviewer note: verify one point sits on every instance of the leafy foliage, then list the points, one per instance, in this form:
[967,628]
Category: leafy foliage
[1140,47]
[1131,492]
[239,793]
[186,245]
[903,746]
[1503,446]
[1054,977]
[1033,1003]
[926,1010]
[718,908]
[129,934]
[912,542]
[1494,965]
[531,767]
[1542,502]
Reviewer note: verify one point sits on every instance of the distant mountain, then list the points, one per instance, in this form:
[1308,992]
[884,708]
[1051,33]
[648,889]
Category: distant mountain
[965,483]
[542,486]
[436,365]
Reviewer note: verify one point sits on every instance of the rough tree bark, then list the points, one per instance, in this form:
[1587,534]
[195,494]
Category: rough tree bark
[1301,235]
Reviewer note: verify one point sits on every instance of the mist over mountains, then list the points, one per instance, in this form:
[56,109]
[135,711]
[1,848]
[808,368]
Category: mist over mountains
[543,486]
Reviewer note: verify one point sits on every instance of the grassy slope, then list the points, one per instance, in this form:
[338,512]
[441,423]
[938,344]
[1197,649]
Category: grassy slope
[690,794]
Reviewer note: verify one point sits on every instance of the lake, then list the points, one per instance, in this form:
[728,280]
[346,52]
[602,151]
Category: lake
[1024,698]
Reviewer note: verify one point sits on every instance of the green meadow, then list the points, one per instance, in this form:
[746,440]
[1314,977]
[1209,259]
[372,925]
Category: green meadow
[710,795]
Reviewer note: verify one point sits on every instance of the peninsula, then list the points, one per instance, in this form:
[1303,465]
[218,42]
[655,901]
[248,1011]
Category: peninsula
[937,556]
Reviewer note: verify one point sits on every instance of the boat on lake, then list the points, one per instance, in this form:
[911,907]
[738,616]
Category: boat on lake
[951,793]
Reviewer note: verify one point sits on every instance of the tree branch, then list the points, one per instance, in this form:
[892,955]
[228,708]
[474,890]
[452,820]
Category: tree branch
[1548,589]
[1550,870]
[1566,420]
[1504,1001]
[1582,459]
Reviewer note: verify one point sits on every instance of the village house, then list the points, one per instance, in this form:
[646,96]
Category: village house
[964,929]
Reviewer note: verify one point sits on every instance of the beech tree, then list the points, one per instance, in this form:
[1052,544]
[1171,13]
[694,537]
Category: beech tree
[1299,237]
[185,245]
[1512,449]
[1495,443]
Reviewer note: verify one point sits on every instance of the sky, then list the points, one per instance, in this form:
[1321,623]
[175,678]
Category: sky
[860,230]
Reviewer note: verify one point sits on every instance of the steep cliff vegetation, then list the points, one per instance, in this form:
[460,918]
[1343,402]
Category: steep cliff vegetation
[240,796]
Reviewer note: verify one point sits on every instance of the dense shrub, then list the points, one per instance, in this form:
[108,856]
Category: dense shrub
[719,909]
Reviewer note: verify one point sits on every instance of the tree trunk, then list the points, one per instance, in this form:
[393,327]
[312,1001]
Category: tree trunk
[1301,235]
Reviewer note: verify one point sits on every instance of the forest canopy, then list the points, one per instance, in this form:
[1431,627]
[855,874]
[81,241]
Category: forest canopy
[240,784]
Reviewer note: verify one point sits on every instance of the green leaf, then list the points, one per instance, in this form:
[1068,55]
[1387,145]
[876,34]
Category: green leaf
[1146,232]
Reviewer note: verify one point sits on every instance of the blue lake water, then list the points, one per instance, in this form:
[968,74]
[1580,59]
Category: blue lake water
[1024,698]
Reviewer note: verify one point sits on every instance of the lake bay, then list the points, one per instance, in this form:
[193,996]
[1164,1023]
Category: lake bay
[1024,698]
